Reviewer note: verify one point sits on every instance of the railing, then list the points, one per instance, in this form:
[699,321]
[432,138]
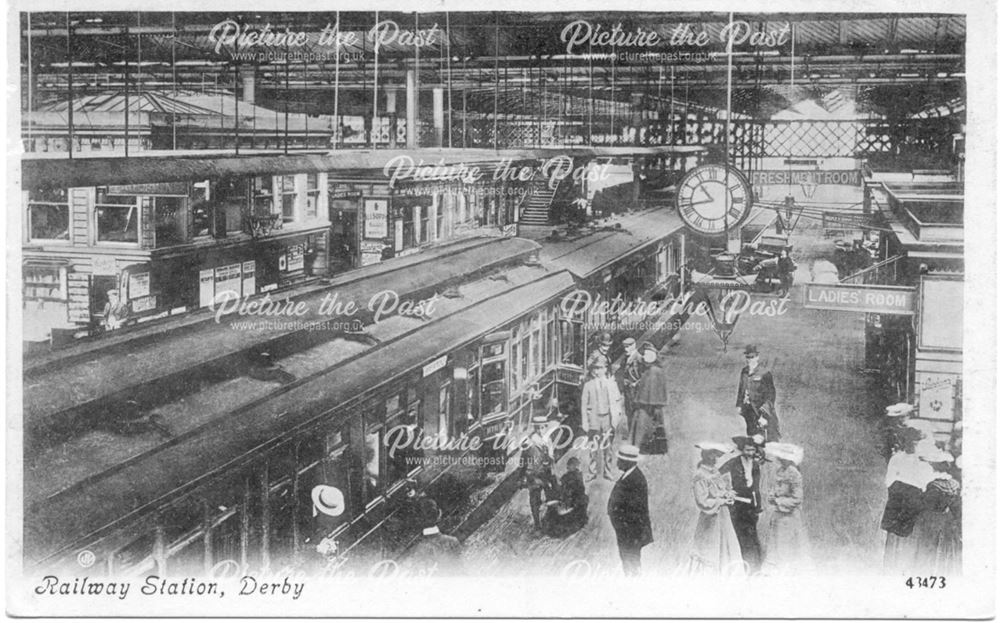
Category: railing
[883,273]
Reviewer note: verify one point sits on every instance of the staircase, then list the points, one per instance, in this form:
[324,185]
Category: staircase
[535,210]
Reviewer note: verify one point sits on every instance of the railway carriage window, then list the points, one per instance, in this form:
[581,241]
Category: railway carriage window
[117,217]
[281,538]
[184,534]
[136,558]
[336,472]
[493,388]
[312,195]
[225,537]
[48,215]
[288,198]
[372,475]
[263,195]
[571,340]
[473,385]
[169,220]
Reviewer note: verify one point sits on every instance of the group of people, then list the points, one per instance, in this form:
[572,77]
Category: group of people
[629,407]
[923,512]
[730,502]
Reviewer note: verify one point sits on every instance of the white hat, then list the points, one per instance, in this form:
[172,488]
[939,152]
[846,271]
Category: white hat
[785,451]
[327,500]
[899,409]
[628,452]
[934,455]
[724,448]
[540,420]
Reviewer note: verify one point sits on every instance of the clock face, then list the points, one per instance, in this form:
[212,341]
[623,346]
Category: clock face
[708,202]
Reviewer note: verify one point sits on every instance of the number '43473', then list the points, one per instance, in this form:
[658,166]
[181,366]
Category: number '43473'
[932,581]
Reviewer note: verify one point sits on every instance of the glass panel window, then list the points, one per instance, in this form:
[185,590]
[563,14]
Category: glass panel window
[263,195]
[117,218]
[48,215]
[312,195]
[571,338]
[44,282]
[168,214]
[288,198]
[372,475]
[493,388]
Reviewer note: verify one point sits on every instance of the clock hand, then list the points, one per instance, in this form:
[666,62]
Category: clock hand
[702,188]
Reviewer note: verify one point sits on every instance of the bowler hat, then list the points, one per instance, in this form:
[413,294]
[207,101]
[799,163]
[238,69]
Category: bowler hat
[606,338]
[742,441]
[751,349]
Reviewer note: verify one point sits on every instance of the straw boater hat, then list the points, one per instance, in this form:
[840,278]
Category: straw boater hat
[628,452]
[722,447]
[899,409]
[540,420]
[327,500]
[934,455]
[785,451]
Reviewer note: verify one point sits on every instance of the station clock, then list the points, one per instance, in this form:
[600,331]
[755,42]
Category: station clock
[706,192]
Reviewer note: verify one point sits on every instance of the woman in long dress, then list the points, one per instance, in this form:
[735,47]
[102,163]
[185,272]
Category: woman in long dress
[906,478]
[785,547]
[937,529]
[716,549]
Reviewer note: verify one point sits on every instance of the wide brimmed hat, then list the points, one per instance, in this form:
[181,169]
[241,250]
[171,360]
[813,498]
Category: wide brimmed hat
[784,451]
[327,500]
[935,455]
[742,441]
[715,446]
[540,420]
[899,409]
[627,452]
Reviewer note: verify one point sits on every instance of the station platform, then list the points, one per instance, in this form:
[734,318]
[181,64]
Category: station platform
[825,405]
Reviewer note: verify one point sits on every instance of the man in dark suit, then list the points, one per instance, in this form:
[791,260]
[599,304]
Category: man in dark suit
[536,463]
[755,397]
[628,509]
[744,470]
[434,553]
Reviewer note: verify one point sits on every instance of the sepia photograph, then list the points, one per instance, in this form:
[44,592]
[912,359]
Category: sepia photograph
[571,310]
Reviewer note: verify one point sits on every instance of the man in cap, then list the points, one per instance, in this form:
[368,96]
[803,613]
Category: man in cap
[434,553]
[649,421]
[601,407]
[601,353]
[628,509]
[744,470]
[536,461]
[630,373]
[755,397]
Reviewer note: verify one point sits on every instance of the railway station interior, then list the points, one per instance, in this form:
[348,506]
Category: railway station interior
[271,261]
